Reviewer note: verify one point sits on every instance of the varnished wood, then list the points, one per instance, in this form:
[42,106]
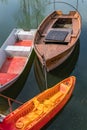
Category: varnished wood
[54,51]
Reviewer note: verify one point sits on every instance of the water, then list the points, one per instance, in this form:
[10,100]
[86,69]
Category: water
[28,14]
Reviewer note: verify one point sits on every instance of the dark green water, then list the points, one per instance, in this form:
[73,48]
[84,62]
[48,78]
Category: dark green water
[28,14]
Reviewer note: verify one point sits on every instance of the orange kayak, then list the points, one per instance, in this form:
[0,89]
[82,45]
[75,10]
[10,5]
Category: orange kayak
[35,113]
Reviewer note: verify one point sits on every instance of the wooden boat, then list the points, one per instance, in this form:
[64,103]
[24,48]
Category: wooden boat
[16,58]
[56,37]
[35,113]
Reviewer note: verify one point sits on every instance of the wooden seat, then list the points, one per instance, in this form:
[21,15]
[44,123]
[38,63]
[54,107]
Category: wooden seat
[59,36]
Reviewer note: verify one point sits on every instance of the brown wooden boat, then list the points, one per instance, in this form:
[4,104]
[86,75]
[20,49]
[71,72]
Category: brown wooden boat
[56,37]
[35,113]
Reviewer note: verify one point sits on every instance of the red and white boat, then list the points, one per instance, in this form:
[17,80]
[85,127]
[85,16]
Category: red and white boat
[35,113]
[16,58]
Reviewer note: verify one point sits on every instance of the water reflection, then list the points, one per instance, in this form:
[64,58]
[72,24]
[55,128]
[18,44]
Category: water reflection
[7,104]
[4,1]
[56,75]
[3,106]
[30,13]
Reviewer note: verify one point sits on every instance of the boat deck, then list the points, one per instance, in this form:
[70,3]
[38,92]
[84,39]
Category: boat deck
[11,68]
[24,43]
[6,77]
[16,58]
[13,65]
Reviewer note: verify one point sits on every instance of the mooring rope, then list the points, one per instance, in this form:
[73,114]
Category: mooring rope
[9,101]
[45,71]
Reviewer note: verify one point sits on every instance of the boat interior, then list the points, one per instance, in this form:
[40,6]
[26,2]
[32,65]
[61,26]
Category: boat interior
[40,105]
[14,55]
[60,28]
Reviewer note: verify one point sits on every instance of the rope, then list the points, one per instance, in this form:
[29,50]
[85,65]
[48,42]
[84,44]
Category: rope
[45,72]
[10,106]
[9,101]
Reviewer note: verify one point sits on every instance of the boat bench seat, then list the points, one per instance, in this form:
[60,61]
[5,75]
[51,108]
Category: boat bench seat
[21,34]
[75,26]
[17,50]
[6,77]
[63,87]
[58,35]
